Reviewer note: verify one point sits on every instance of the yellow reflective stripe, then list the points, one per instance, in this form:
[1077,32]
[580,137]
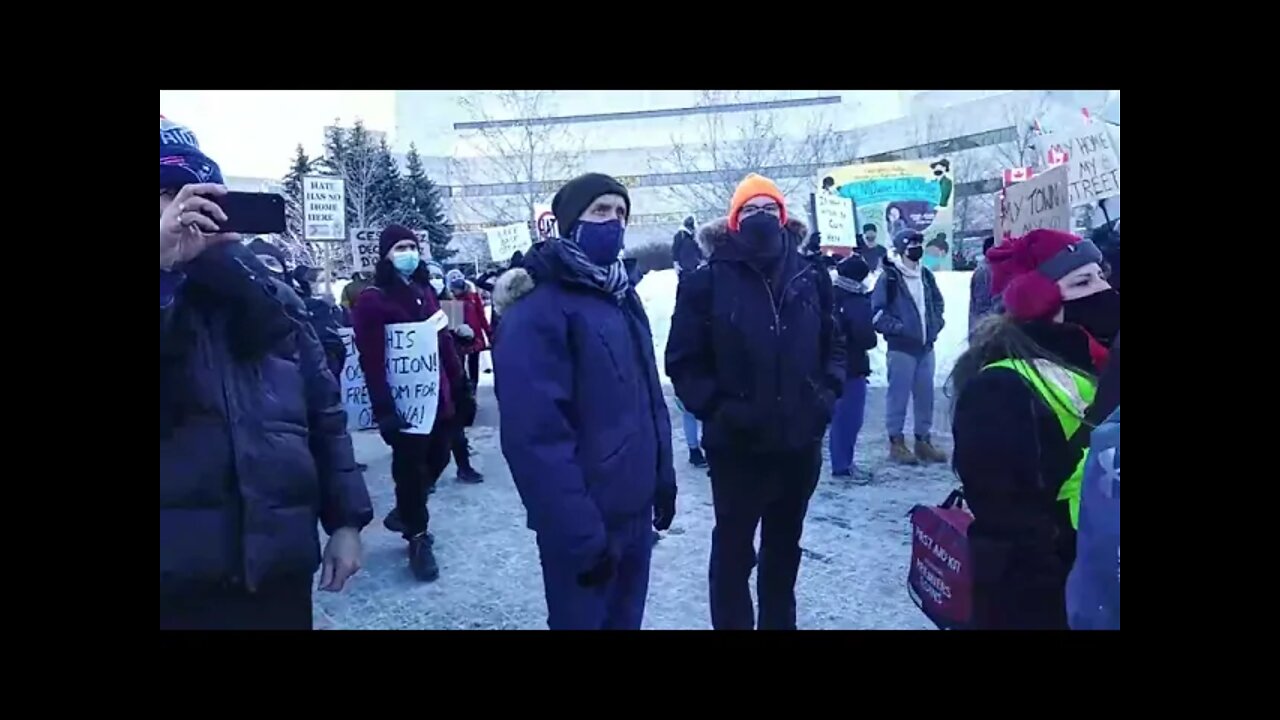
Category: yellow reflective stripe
[1070,491]
[1063,390]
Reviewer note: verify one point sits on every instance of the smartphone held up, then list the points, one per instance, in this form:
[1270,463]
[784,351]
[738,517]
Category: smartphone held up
[252,213]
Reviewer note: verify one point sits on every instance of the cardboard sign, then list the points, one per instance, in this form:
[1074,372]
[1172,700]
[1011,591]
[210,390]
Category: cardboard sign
[364,249]
[1041,202]
[1092,163]
[413,374]
[324,208]
[506,240]
[454,310]
[834,216]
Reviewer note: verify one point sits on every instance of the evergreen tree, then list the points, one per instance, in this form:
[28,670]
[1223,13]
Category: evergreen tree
[422,208]
[293,240]
[386,198]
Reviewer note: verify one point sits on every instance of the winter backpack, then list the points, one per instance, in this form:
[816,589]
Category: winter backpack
[1093,587]
[940,581]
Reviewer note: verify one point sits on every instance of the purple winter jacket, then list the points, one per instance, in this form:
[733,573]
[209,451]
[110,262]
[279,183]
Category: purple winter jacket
[252,454]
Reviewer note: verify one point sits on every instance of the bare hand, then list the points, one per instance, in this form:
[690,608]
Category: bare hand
[189,225]
[341,559]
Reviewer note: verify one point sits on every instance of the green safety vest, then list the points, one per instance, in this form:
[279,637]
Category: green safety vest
[1067,393]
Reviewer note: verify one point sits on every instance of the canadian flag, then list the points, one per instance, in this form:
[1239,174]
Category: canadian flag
[1057,156]
[1015,175]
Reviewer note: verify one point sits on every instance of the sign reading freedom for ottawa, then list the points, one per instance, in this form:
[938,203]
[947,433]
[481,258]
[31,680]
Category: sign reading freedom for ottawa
[1040,202]
[324,207]
[413,373]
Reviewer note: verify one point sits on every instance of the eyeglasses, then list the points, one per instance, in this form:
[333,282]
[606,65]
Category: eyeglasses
[749,210]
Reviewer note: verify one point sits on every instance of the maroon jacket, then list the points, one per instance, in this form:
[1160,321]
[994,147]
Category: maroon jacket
[397,301]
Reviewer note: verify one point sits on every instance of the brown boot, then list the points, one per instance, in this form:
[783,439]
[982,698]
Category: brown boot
[899,453]
[927,452]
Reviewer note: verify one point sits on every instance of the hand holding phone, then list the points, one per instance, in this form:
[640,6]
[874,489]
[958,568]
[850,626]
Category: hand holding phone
[252,213]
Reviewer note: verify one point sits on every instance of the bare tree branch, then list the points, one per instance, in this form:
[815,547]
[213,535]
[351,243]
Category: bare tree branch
[724,147]
[525,150]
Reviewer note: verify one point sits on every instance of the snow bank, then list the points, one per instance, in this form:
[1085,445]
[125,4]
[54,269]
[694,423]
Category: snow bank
[658,293]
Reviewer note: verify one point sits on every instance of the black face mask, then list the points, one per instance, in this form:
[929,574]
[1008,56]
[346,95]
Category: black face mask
[1098,313]
[761,237]
[915,253]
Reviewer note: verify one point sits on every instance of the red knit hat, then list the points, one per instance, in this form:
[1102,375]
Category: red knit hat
[1026,271]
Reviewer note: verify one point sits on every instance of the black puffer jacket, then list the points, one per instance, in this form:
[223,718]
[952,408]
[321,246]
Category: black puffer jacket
[252,454]
[762,375]
[853,313]
[1012,458]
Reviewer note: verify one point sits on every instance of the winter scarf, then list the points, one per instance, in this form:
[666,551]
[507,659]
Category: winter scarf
[850,285]
[611,280]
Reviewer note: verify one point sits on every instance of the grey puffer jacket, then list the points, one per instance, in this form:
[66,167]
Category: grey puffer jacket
[896,317]
[252,454]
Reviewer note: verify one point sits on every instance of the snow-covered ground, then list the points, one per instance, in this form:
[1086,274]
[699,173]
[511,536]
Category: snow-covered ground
[856,545]
[658,293]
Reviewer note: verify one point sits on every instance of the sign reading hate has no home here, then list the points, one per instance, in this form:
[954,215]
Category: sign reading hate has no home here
[324,208]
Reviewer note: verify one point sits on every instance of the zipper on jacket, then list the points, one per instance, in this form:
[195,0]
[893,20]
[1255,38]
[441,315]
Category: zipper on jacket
[777,318]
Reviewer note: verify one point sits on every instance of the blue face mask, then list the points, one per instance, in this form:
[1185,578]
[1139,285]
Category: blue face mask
[933,262]
[600,242]
[405,261]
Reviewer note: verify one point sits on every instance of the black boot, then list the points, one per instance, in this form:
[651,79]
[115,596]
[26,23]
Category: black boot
[392,522]
[469,475]
[422,559]
[697,459]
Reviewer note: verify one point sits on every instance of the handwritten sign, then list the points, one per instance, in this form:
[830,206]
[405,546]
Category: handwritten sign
[364,249]
[413,374]
[506,240]
[1041,202]
[1091,161]
[324,208]
[835,220]
[455,310]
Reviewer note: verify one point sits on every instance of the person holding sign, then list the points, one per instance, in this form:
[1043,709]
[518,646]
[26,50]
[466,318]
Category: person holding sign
[585,428]
[254,451]
[401,293]
[755,353]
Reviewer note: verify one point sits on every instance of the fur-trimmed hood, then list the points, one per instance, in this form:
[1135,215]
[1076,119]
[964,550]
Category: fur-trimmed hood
[510,287]
[715,233]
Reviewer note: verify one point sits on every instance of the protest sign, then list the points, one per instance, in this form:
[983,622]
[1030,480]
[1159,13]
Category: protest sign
[544,223]
[895,197]
[324,207]
[364,249]
[1093,165]
[413,374]
[506,240]
[834,218]
[1040,202]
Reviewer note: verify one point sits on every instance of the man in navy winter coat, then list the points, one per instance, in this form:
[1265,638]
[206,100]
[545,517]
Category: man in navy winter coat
[907,309]
[755,354]
[684,249]
[584,426]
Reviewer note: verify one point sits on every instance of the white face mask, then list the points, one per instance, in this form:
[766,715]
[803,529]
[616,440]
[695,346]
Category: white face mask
[438,285]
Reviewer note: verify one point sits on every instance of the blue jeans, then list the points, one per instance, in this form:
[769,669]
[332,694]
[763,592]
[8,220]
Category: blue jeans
[846,423]
[910,381]
[692,434]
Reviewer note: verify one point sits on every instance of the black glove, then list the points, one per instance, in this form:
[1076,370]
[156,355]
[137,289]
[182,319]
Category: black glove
[600,574]
[391,426]
[664,508]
